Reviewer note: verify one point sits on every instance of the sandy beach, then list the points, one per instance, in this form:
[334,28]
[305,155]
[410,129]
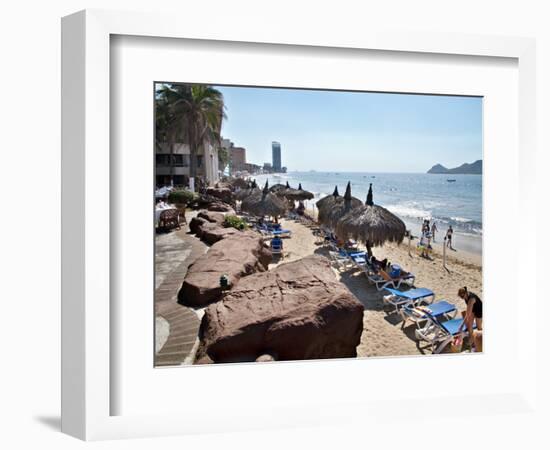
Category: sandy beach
[383,334]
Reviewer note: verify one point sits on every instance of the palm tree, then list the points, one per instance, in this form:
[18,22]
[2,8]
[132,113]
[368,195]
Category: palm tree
[168,127]
[195,115]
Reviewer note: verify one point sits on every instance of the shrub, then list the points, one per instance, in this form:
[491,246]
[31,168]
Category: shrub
[181,196]
[236,222]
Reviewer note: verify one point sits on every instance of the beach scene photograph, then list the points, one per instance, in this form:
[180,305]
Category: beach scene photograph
[308,224]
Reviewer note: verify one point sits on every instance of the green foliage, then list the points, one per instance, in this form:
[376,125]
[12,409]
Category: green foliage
[236,222]
[223,158]
[189,113]
[181,196]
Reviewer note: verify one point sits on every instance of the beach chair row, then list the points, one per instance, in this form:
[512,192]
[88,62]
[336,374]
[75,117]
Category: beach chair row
[273,230]
[435,321]
[376,275]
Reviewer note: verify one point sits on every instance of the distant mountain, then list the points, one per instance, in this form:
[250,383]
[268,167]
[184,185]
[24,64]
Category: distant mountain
[476,168]
[438,168]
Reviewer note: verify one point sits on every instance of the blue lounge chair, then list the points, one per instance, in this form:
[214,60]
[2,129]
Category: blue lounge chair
[359,259]
[420,315]
[440,333]
[276,246]
[399,299]
[281,233]
[340,261]
[382,280]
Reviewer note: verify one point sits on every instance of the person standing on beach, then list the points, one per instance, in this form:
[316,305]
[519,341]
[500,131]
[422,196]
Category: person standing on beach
[450,237]
[474,311]
[425,227]
[434,229]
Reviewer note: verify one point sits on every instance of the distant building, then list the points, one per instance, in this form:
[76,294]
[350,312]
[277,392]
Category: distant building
[252,168]
[276,156]
[206,163]
[237,158]
[268,168]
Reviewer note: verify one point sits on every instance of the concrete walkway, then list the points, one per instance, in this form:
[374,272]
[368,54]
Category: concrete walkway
[174,253]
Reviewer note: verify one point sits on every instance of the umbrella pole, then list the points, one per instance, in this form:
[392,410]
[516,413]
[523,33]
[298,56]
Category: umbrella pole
[444,253]
[409,233]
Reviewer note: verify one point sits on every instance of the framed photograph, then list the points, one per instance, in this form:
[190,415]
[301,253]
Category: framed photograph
[274,231]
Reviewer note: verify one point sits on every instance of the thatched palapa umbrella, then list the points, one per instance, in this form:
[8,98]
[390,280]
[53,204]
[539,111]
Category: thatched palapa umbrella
[329,199]
[297,195]
[251,188]
[264,203]
[244,193]
[240,183]
[332,210]
[277,188]
[371,224]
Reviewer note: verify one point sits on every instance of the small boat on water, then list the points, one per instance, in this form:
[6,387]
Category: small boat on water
[451,180]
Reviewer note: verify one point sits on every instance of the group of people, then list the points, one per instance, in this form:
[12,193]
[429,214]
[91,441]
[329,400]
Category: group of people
[429,231]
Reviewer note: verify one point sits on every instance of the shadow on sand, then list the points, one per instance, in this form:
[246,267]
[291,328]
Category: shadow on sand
[372,299]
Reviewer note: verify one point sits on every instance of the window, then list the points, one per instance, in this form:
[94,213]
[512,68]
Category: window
[199,161]
[177,159]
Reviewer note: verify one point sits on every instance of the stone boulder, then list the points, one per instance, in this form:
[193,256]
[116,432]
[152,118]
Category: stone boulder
[199,225]
[296,311]
[211,235]
[223,193]
[203,201]
[240,254]
[222,207]
[212,216]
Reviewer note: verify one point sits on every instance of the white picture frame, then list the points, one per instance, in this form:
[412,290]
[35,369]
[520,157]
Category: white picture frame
[87,383]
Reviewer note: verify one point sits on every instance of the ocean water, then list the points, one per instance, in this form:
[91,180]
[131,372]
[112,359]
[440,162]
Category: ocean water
[411,196]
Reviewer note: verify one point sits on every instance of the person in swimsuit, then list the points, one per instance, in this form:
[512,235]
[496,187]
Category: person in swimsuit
[474,311]
[450,237]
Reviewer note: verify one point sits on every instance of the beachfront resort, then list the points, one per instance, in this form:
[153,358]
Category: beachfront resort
[257,268]
[257,278]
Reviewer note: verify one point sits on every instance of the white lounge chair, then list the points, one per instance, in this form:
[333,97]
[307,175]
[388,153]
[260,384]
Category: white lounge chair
[439,333]
[341,262]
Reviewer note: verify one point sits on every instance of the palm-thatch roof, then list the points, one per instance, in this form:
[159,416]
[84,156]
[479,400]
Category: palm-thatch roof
[371,224]
[244,193]
[240,183]
[328,199]
[336,207]
[264,203]
[295,194]
[277,187]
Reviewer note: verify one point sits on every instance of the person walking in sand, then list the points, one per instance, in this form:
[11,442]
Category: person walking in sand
[450,237]
[434,229]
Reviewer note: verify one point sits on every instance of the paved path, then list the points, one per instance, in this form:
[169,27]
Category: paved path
[174,253]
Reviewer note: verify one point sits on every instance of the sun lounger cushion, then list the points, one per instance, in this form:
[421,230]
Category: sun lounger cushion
[413,294]
[452,326]
[438,309]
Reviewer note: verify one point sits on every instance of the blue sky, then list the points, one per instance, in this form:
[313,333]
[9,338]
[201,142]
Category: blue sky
[353,131]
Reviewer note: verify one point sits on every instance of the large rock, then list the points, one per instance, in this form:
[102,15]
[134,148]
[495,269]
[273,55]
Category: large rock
[208,226]
[222,207]
[206,221]
[240,254]
[199,225]
[211,235]
[223,193]
[211,216]
[296,311]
